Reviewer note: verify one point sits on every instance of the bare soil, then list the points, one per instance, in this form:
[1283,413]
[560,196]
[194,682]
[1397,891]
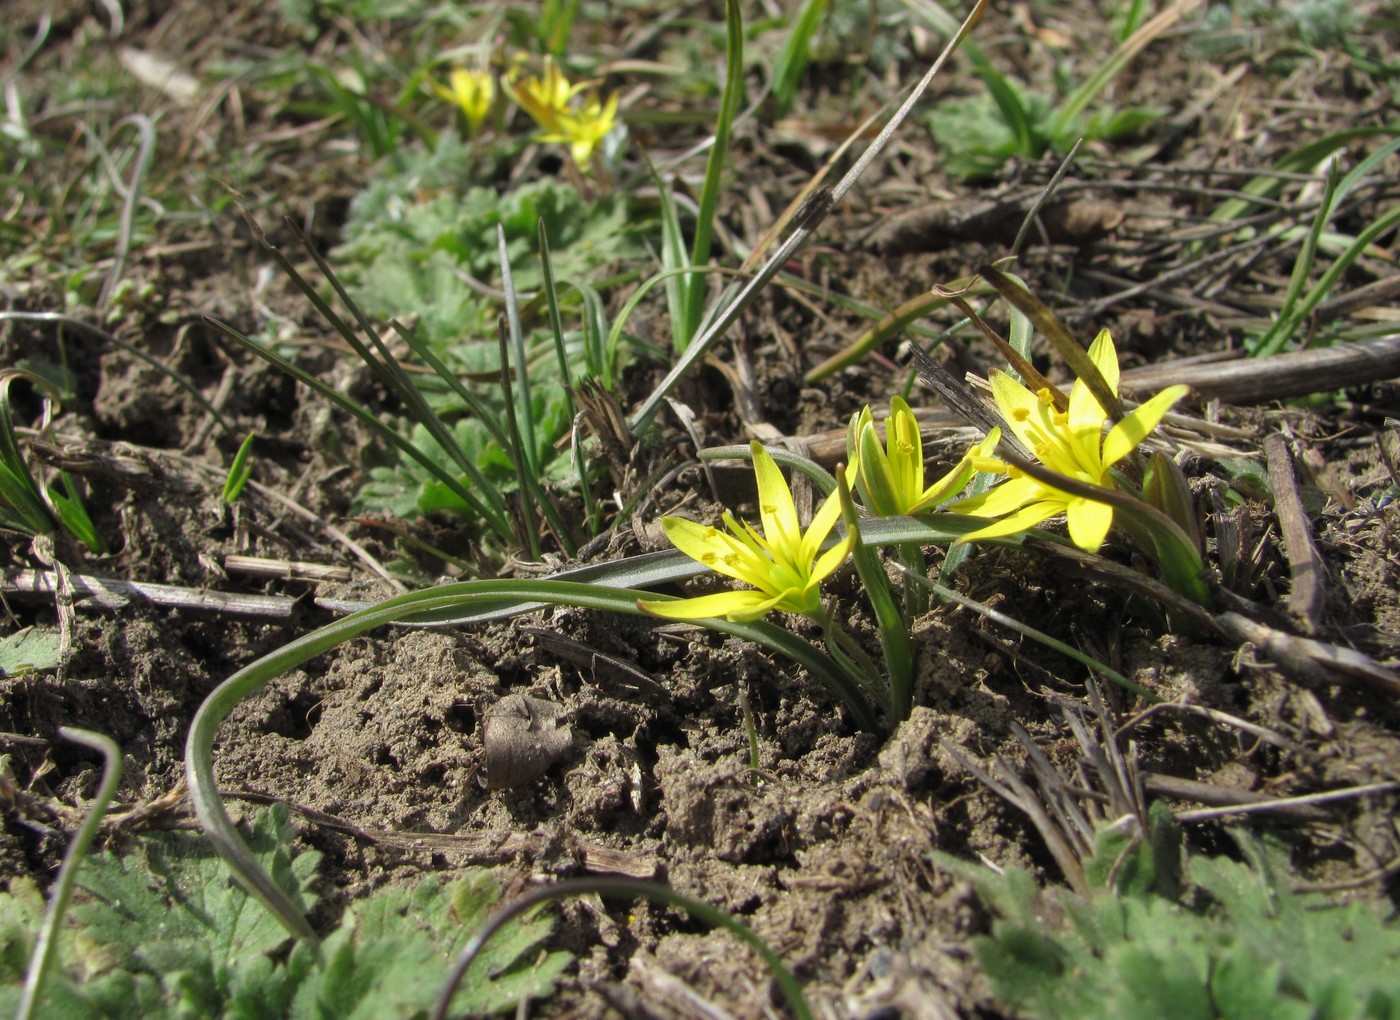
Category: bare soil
[825,851]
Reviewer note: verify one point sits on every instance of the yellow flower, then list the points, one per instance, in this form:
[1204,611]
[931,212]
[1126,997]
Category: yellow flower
[784,563]
[472,92]
[550,100]
[891,477]
[545,98]
[1069,443]
[585,128]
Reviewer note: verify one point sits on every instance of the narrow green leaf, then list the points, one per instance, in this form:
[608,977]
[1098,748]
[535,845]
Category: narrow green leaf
[730,100]
[894,629]
[239,471]
[792,59]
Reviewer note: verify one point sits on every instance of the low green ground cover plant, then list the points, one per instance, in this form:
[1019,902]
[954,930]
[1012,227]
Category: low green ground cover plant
[161,931]
[979,133]
[1280,37]
[1222,938]
[416,260]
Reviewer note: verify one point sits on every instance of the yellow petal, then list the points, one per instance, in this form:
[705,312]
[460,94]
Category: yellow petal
[740,606]
[1105,358]
[715,549]
[1086,417]
[831,559]
[582,151]
[952,483]
[1006,497]
[775,506]
[1024,519]
[606,119]
[987,447]
[745,533]
[822,522]
[1125,437]
[1019,406]
[1089,521]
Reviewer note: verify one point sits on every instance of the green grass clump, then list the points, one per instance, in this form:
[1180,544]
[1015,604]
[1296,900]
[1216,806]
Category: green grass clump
[414,247]
[162,932]
[1227,939]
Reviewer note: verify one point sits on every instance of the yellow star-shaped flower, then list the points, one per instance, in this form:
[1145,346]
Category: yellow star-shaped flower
[553,103]
[891,477]
[784,564]
[1070,443]
[472,92]
[545,98]
[584,128]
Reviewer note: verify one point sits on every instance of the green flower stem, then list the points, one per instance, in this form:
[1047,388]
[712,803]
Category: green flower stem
[894,626]
[852,658]
[911,557]
[730,100]
[805,224]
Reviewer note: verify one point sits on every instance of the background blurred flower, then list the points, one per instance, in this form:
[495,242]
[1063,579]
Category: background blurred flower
[472,92]
[555,105]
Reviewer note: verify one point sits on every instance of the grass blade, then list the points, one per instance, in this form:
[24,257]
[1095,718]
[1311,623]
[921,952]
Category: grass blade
[463,597]
[1278,333]
[239,471]
[525,451]
[1013,111]
[729,103]
[67,504]
[63,888]
[556,322]
[1299,161]
[792,60]
[1282,330]
[528,529]
[496,520]
[387,370]
[22,507]
[1068,114]
[808,218]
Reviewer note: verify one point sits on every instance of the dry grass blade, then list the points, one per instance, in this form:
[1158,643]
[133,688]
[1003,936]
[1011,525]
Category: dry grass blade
[1021,365]
[1066,346]
[1305,600]
[957,395]
[808,217]
[1013,789]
